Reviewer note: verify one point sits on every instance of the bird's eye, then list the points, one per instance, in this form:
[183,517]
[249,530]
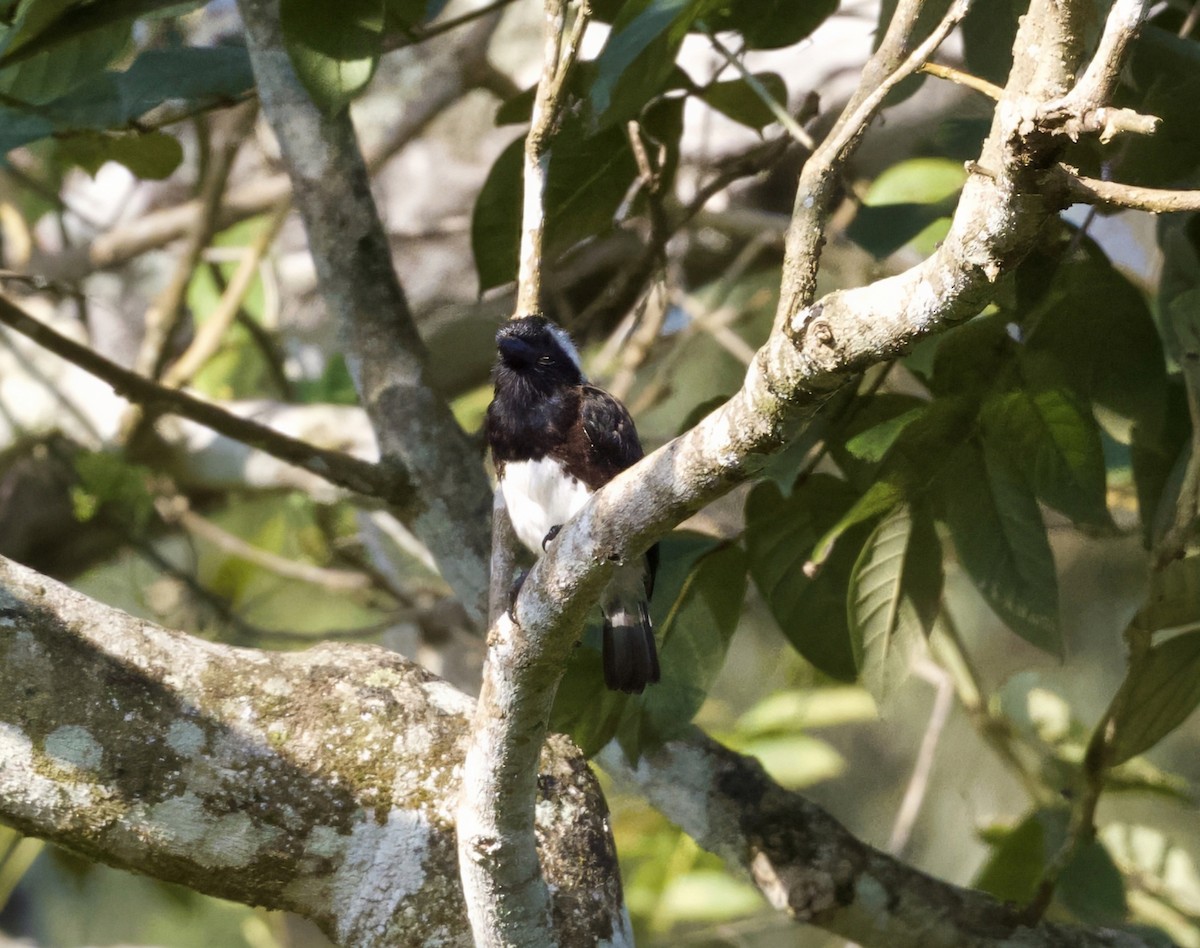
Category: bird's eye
[544,360]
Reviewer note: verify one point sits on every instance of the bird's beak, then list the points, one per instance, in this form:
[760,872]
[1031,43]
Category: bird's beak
[515,352]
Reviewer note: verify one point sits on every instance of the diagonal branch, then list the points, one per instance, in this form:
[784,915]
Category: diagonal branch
[388,483]
[332,191]
[808,865]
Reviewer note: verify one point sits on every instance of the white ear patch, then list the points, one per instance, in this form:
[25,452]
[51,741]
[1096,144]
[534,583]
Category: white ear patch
[567,346]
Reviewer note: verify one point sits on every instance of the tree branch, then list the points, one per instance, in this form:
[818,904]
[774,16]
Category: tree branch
[1065,185]
[386,357]
[321,782]
[808,865]
[388,483]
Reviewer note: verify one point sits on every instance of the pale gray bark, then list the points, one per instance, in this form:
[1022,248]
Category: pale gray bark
[323,782]
[332,191]
[811,867]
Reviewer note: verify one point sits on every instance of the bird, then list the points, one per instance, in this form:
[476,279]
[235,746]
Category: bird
[555,440]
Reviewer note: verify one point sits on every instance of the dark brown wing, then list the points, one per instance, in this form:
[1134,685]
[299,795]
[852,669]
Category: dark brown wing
[602,442]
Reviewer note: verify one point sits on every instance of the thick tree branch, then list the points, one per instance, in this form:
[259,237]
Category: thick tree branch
[321,782]
[808,865]
[332,192]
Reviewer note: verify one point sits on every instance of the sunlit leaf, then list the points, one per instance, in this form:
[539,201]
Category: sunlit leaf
[900,559]
[334,47]
[1160,692]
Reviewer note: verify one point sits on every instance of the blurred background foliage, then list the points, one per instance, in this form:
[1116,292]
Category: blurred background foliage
[961,611]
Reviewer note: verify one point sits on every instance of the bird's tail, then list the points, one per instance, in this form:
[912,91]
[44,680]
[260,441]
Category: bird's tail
[630,656]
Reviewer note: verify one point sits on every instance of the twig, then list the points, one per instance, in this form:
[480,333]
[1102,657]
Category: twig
[558,56]
[175,509]
[778,109]
[918,784]
[822,170]
[961,78]
[1075,187]
[208,337]
[385,482]
[163,317]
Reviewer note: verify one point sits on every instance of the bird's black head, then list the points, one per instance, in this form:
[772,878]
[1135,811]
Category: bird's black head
[536,351]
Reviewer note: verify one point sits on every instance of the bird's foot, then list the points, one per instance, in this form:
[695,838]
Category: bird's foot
[550,535]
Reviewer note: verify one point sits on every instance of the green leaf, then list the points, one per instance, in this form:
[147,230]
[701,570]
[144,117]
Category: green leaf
[334,47]
[694,627]
[584,708]
[1018,858]
[42,77]
[910,201]
[1091,886]
[151,156]
[1001,542]
[737,99]
[1098,327]
[897,578]
[496,219]
[638,57]
[706,895]
[769,24]
[972,356]
[871,444]
[1042,427]
[1174,597]
[1159,693]
[114,99]
[988,34]
[589,178]
[779,534]
[879,498]
[1163,79]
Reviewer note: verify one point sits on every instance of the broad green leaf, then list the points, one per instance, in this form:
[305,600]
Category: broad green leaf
[972,356]
[115,99]
[780,533]
[1052,439]
[1091,886]
[694,628]
[152,156]
[871,444]
[589,178]
[496,219]
[1001,542]
[1163,79]
[1019,856]
[334,47]
[1159,693]
[910,201]
[1174,597]
[43,77]
[1098,327]
[584,708]
[988,34]
[879,498]
[794,761]
[769,24]
[47,24]
[737,99]
[407,14]
[706,895]
[638,57]
[900,562]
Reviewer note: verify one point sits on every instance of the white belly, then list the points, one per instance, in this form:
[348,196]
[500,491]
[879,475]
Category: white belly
[540,495]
